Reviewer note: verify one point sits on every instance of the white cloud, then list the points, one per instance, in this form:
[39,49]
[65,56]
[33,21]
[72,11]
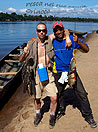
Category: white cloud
[1,11]
[11,9]
[95,11]
[75,12]
[22,10]
[61,10]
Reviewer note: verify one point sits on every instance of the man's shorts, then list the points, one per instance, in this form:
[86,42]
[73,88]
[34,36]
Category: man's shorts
[48,86]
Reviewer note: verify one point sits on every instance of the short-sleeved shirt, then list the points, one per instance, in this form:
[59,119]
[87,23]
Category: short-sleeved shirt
[63,54]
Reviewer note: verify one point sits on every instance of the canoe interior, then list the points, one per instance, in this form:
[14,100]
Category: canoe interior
[9,83]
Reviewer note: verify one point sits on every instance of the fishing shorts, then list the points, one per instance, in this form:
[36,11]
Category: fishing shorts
[47,87]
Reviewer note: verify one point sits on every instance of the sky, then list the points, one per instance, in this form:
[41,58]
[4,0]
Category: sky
[59,8]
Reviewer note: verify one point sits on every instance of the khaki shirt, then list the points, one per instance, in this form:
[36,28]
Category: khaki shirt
[33,48]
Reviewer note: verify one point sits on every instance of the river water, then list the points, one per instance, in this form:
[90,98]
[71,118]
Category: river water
[13,34]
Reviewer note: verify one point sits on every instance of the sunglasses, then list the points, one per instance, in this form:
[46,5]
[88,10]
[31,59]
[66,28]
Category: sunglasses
[39,30]
[55,30]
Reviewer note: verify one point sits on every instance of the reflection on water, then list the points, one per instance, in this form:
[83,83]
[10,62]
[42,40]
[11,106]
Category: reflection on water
[13,34]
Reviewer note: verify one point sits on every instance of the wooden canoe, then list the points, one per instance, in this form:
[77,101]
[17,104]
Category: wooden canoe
[80,34]
[10,75]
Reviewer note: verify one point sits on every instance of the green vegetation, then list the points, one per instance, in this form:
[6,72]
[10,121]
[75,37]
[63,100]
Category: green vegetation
[15,17]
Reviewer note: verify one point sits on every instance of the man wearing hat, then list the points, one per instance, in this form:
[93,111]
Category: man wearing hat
[61,64]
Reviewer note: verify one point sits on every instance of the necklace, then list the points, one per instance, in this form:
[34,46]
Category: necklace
[60,49]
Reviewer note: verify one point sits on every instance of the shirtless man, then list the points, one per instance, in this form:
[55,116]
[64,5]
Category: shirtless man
[38,50]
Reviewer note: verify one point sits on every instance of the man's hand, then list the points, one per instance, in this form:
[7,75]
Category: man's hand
[83,46]
[26,50]
[75,37]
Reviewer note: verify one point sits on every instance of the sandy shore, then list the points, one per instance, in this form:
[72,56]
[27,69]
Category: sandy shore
[18,114]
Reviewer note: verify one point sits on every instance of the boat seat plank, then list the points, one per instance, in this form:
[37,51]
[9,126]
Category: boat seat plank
[8,73]
[14,55]
[11,60]
[1,87]
[19,49]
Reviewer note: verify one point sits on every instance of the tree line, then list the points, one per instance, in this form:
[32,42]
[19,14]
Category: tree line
[16,17]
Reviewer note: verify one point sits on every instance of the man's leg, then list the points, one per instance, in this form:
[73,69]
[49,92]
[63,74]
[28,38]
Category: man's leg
[37,104]
[84,102]
[53,106]
[38,114]
[60,87]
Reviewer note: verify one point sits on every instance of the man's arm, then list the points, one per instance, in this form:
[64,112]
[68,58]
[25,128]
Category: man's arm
[52,37]
[25,54]
[26,50]
[66,35]
[83,46]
